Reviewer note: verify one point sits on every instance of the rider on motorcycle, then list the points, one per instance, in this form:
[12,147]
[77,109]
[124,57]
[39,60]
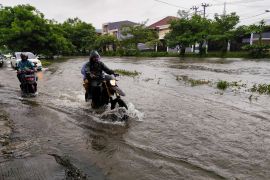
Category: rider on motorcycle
[23,66]
[94,71]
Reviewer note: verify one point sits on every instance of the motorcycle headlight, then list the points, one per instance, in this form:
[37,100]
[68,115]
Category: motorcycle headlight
[113,82]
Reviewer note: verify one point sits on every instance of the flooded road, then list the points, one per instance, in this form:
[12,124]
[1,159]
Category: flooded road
[175,130]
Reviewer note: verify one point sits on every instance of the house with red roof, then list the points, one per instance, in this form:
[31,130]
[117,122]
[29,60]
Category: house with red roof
[162,27]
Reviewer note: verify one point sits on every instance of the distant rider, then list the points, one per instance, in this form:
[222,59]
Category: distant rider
[94,71]
[23,66]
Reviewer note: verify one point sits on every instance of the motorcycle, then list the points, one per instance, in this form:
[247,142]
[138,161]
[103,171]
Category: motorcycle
[1,60]
[28,82]
[104,91]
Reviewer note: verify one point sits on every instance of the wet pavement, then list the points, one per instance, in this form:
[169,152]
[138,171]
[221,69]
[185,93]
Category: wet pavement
[175,130]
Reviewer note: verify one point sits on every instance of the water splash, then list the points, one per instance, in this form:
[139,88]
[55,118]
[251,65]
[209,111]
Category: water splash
[133,113]
[121,115]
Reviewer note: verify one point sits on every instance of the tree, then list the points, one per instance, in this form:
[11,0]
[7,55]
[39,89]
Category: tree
[23,28]
[186,32]
[58,44]
[183,14]
[104,41]
[81,34]
[180,35]
[223,28]
[259,50]
[138,34]
[201,28]
[260,28]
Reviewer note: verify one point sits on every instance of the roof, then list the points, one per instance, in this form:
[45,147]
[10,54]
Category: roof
[162,22]
[119,24]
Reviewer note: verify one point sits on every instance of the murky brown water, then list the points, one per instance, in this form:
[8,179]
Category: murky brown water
[176,131]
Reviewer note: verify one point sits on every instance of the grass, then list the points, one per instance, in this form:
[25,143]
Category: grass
[261,88]
[193,82]
[223,85]
[127,73]
[46,63]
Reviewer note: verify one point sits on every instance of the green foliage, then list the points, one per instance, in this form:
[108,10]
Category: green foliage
[257,51]
[258,29]
[46,63]
[185,32]
[81,34]
[24,28]
[222,85]
[138,34]
[127,73]
[261,88]
[223,28]
[103,42]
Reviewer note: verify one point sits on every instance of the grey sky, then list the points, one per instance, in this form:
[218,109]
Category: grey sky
[101,11]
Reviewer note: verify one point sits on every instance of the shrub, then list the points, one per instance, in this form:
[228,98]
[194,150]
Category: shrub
[222,85]
[257,51]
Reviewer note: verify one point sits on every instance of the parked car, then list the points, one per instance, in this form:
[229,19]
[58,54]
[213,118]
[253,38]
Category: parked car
[31,57]
[8,56]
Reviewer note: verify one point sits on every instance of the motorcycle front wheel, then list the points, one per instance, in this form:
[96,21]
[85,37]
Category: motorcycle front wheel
[121,103]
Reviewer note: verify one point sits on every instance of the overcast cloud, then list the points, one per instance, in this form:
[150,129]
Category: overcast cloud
[101,11]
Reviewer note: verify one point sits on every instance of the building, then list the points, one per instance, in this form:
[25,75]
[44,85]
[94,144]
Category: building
[162,27]
[254,38]
[114,28]
[99,32]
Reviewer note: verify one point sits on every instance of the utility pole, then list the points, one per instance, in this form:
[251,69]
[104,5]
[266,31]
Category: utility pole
[205,44]
[204,5]
[195,8]
[225,7]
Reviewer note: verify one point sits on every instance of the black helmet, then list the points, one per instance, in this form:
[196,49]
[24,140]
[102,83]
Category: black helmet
[94,54]
[24,56]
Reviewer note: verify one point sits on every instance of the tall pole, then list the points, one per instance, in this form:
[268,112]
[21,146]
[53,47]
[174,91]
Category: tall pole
[225,7]
[204,5]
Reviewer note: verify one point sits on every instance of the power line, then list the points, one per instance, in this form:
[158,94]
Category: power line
[253,16]
[173,5]
[236,2]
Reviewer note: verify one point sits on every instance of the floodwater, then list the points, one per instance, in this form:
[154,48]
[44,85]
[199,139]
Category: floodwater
[175,130]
